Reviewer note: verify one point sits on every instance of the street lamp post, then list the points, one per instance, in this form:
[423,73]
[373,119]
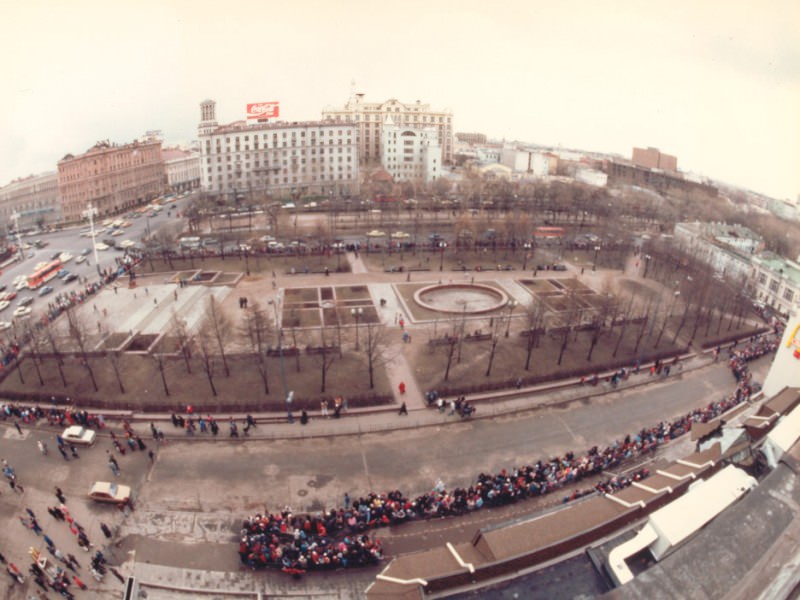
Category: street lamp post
[442,246]
[357,312]
[90,212]
[594,262]
[15,216]
[526,249]
[647,259]
[512,304]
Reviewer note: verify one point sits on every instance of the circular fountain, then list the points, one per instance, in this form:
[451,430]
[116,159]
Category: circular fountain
[461,298]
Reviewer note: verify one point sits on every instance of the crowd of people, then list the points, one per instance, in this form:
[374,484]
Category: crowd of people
[337,538]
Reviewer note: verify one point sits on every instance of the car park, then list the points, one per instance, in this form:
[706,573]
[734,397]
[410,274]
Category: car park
[22,311]
[45,290]
[76,434]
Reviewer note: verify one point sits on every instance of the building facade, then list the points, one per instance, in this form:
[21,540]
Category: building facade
[112,178]
[182,169]
[652,158]
[411,154]
[369,118]
[620,172]
[282,159]
[776,283]
[34,200]
[531,162]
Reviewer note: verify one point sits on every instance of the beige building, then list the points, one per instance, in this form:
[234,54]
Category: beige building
[652,158]
[369,118]
[112,178]
[34,199]
[282,159]
[182,169]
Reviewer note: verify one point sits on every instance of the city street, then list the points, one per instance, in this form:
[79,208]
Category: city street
[190,503]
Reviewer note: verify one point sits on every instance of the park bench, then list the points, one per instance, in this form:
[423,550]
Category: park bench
[478,337]
[442,341]
[287,351]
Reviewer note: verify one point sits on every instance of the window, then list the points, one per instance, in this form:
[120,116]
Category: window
[788,295]
[774,285]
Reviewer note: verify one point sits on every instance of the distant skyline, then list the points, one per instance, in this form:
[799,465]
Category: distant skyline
[716,84]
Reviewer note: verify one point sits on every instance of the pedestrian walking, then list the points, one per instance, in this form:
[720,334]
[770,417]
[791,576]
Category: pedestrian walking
[79,583]
[402,387]
[403,410]
[19,430]
[71,558]
[151,455]
[114,468]
[106,531]
[16,486]
[42,447]
[48,541]
[346,501]
[63,453]
[60,495]
[116,574]
[74,451]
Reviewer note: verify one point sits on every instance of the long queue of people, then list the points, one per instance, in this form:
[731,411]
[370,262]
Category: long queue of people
[337,537]
[10,348]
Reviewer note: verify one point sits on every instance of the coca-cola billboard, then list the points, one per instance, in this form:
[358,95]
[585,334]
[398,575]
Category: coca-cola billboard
[263,110]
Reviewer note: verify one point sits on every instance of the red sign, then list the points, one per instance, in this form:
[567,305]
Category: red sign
[263,110]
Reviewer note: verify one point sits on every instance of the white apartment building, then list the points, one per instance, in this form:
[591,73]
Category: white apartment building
[283,159]
[369,118]
[531,162]
[34,199]
[411,154]
[728,249]
[182,168]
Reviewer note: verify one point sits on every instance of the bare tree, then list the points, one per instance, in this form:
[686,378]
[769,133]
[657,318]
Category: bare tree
[603,321]
[35,343]
[114,357]
[376,349]
[571,319]
[205,342]
[80,335]
[57,355]
[159,361]
[256,327]
[534,315]
[626,319]
[180,330]
[326,362]
[452,341]
[218,325]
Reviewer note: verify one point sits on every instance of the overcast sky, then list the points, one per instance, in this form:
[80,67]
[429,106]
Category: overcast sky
[716,83]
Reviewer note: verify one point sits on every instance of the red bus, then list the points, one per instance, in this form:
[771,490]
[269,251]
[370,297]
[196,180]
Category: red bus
[549,232]
[46,273]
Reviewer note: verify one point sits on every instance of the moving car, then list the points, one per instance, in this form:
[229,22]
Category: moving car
[70,277]
[25,301]
[45,290]
[4,325]
[75,434]
[4,304]
[80,259]
[106,491]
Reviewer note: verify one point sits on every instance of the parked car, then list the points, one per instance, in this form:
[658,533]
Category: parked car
[80,259]
[45,290]
[75,434]
[62,273]
[25,301]
[70,277]
[106,491]
[5,325]
[22,311]
[85,251]
[4,304]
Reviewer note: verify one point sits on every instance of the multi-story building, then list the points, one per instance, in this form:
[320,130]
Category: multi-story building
[652,158]
[529,161]
[411,154]
[34,200]
[369,118]
[112,178]
[182,169]
[301,158]
[776,282]
[623,172]
[728,249]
